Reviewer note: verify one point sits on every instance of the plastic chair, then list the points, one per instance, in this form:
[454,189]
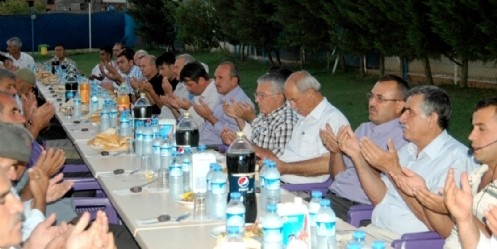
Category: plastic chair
[308,187]
[86,183]
[93,204]
[426,240]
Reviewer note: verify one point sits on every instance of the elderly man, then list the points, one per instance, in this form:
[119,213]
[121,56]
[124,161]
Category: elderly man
[227,84]
[304,160]
[425,161]
[386,103]
[272,128]
[197,82]
[21,59]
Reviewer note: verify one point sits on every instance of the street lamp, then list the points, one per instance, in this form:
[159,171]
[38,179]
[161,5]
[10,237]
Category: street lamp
[89,23]
[33,17]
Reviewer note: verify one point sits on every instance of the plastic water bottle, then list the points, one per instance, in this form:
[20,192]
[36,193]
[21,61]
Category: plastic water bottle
[235,213]
[124,124]
[165,154]
[233,239]
[187,165]
[208,178]
[262,186]
[359,236]
[218,194]
[76,104]
[201,161]
[147,141]
[113,117]
[272,227]
[314,205]
[104,119]
[139,141]
[378,244]
[326,226]
[354,245]
[156,154]
[272,183]
[94,104]
[175,181]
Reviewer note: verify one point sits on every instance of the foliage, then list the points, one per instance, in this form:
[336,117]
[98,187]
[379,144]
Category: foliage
[197,24]
[155,21]
[20,7]
[225,10]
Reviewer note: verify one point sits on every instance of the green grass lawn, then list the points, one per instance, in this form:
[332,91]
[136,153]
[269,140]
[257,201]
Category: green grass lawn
[347,91]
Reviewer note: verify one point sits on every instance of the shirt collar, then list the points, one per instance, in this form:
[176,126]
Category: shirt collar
[319,109]
[385,127]
[434,147]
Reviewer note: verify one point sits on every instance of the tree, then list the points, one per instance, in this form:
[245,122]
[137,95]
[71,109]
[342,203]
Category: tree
[455,21]
[155,21]
[197,24]
[302,29]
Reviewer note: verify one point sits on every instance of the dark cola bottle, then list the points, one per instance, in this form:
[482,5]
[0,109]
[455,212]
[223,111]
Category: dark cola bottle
[240,161]
[187,132]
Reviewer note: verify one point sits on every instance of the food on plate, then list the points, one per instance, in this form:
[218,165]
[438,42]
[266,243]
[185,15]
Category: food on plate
[109,141]
[252,230]
[187,196]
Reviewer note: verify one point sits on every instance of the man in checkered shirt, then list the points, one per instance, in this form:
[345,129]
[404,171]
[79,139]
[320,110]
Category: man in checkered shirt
[271,130]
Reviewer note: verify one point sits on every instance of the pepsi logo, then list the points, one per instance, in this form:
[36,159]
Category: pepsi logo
[243,182]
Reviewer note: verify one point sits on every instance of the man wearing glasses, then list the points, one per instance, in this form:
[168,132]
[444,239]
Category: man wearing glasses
[385,104]
[272,129]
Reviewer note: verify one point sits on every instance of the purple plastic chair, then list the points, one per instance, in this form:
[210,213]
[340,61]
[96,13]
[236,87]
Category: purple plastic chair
[425,240]
[93,204]
[86,183]
[308,187]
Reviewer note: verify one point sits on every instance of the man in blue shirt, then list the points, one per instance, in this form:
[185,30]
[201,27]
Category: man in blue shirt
[227,84]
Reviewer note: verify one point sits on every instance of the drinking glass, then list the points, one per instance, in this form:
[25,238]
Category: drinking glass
[146,167]
[199,211]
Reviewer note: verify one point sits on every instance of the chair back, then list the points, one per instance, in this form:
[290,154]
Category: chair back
[308,187]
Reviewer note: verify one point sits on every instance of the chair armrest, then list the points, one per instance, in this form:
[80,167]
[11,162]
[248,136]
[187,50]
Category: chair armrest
[420,243]
[75,168]
[81,183]
[93,204]
[359,213]
[421,235]
[320,186]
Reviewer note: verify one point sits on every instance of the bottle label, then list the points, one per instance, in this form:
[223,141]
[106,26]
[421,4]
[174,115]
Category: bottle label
[273,234]
[272,184]
[218,187]
[139,123]
[242,183]
[175,170]
[156,149]
[235,219]
[326,228]
[139,136]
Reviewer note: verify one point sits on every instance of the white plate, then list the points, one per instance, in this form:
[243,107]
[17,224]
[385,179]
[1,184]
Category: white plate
[216,231]
[186,203]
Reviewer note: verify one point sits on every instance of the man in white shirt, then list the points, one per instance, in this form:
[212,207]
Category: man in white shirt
[21,59]
[305,158]
[200,87]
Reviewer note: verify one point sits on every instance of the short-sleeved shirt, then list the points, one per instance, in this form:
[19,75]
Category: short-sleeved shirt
[306,144]
[156,82]
[432,163]
[24,61]
[272,131]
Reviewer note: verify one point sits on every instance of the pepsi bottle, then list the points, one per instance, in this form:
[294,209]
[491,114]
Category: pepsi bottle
[240,161]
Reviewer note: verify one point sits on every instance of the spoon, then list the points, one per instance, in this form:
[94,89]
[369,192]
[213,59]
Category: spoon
[121,171]
[164,218]
[139,188]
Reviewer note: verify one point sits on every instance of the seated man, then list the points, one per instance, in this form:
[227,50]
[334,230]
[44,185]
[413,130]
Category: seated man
[426,159]
[201,88]
[127,71]
[152,86]
[60,57]
[386,102]
[21,59]
[99,71]
[272,128]
[227,85]
[305,160]
[165,62]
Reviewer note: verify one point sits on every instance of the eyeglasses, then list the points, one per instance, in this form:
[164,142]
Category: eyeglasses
[380,98]
[263,95]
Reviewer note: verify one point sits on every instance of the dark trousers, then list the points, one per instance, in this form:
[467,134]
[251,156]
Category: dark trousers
[340,205]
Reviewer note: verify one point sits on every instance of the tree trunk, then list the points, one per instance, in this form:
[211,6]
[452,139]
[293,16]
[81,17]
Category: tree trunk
[328,60]
[464,72]
[277,52]
[382,65]
[428,74]
[361,65]
[269,56]
[302,57]
[242,52]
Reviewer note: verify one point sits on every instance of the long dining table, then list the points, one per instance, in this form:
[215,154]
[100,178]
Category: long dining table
[149,203]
